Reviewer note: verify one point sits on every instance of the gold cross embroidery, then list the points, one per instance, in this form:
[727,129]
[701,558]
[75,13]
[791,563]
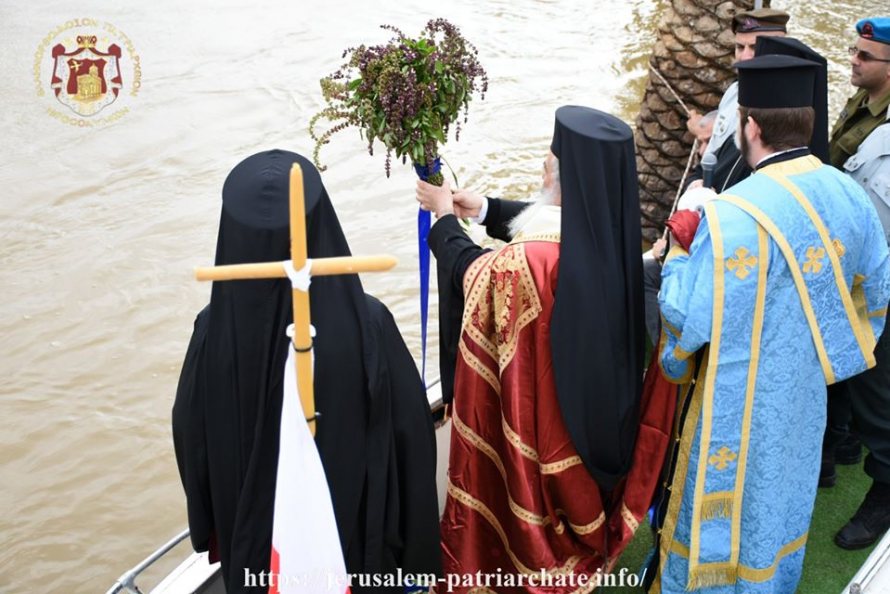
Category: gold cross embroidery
[741,263]
[839,247]
[814,260]
[722,458]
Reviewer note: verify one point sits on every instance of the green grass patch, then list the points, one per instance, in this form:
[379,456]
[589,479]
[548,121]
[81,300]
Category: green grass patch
[827,567]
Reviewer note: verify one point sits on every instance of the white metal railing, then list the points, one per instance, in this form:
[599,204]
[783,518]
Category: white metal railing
[127,582]
[874,575]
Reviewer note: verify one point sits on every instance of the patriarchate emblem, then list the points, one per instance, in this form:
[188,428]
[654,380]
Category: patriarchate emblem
[85,79]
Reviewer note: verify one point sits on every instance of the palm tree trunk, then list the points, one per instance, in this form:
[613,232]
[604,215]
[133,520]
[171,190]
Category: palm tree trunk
[694,53]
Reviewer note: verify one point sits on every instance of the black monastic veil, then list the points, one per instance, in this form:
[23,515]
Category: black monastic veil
[597,324]
[374,432]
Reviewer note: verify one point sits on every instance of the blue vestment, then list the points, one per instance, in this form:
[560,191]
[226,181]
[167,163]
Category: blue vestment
[784,290]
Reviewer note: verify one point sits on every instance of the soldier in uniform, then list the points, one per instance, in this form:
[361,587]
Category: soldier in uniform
[866,109]
[870,166]
[863,112]
[731,168]
[869,392]
[863,131]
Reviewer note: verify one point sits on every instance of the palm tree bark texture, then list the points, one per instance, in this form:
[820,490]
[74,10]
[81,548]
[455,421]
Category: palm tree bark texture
[694,53]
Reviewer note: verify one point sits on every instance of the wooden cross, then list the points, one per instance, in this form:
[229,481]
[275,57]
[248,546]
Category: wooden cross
[320,267]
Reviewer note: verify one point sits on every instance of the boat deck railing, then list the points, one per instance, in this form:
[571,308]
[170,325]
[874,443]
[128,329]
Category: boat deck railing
[127,582]
[196,565]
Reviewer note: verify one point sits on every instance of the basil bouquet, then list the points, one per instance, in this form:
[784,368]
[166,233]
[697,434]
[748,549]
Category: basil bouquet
[406,93]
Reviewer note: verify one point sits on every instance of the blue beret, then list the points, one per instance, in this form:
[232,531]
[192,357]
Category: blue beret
[875,29]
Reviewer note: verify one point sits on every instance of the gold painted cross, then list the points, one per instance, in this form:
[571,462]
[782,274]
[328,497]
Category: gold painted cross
[814,260]
[722,458]
[741,263]
[320,267]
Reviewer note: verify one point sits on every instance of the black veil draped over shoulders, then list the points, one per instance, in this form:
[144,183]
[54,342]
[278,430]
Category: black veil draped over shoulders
[597,324]
[228,405]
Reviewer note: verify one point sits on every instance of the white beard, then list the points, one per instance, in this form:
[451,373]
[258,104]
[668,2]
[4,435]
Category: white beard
[544,198]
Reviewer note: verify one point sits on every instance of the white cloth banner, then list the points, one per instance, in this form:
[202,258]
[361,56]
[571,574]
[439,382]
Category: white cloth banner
[306,553]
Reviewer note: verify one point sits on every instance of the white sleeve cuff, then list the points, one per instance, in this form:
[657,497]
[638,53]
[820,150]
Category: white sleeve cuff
[483,212]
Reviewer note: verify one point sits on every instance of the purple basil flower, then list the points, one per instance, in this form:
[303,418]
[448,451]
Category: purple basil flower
[404,93]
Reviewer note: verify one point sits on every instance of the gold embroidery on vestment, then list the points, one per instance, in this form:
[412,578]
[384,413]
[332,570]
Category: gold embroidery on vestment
[465,498]
[722,458]
[474,363]
[745,572]
[741,263]
[629,518]
[813,263]
[520,512]
[839,247]
[502,300]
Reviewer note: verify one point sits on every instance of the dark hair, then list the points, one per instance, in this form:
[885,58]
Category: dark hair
[782,128]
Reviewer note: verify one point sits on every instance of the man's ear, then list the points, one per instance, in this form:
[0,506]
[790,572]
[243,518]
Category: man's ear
[753,128]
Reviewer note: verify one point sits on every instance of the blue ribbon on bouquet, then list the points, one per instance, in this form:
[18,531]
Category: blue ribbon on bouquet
[424,172]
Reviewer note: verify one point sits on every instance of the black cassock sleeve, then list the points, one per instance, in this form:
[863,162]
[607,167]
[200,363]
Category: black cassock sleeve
[500,213]
[189,441]
[411,523]
[454,252]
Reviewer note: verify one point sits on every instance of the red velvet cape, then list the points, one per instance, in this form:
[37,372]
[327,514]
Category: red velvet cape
[519,497]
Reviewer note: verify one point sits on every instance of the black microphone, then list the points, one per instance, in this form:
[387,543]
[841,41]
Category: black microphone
[708,162]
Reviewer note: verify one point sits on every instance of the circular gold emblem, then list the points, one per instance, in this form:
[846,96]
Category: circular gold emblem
[87,72]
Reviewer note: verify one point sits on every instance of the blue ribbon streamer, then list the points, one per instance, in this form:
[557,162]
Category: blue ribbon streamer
[423,231]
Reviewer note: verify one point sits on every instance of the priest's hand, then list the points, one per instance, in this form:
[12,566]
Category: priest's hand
[467,204]
[436,199]
[659,249]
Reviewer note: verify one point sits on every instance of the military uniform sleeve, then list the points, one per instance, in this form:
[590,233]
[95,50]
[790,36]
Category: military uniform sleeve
[874,276]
